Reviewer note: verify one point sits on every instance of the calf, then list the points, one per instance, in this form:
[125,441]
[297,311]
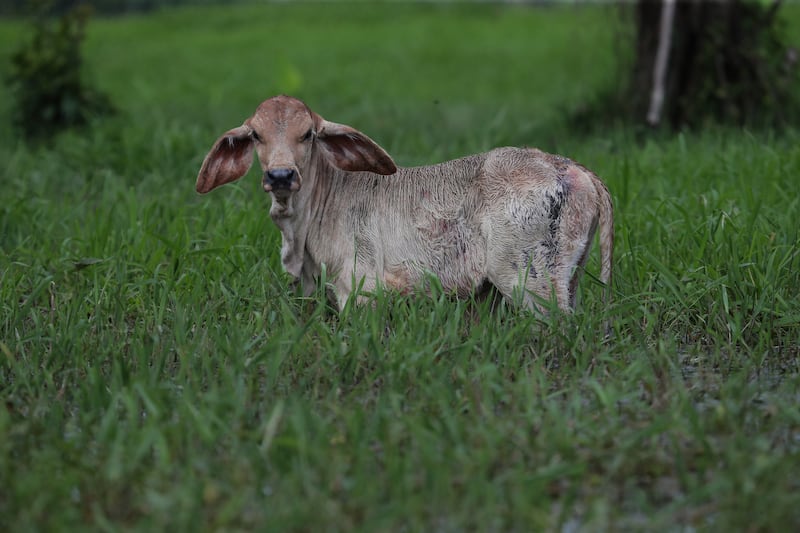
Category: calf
[518,219]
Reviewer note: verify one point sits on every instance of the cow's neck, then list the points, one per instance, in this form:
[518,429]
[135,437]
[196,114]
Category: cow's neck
[290,215]
[293,215]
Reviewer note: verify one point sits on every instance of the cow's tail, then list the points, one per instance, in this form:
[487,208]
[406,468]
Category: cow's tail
[606,236]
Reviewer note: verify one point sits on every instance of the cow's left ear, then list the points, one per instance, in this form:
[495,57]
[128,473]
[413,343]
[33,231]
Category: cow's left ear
[349,149]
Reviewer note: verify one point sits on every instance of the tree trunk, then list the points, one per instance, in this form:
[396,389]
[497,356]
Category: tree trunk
[697,60]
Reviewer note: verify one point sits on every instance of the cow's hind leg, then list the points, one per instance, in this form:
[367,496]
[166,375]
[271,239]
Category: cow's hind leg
[577,271]
[534,276]
[529,283]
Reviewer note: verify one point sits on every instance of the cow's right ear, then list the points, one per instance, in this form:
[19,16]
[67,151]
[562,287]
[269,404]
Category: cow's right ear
[229,159]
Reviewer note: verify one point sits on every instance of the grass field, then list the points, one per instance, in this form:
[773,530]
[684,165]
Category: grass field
[158,372]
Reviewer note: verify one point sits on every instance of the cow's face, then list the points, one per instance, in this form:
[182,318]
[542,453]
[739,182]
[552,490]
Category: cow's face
[283,130]
[284,133]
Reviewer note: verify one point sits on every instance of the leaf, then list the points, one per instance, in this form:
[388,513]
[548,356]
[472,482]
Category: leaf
[82,263]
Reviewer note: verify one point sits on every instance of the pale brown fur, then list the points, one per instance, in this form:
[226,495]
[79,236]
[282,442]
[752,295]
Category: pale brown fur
[519,219]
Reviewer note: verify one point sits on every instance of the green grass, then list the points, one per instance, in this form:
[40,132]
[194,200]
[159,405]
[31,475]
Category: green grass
[159,373]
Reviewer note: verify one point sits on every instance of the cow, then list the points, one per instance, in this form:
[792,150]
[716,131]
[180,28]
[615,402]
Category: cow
[519,220]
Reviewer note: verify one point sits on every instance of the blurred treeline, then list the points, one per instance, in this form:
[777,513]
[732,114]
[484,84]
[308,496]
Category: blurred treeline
[105,7]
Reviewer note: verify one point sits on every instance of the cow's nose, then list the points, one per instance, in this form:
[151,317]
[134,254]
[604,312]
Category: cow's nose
[279,178]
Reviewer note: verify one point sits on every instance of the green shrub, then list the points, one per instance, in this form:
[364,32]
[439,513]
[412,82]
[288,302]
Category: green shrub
[45,77]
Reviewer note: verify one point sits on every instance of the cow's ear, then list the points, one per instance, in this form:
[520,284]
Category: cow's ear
[349,149]
[229,159]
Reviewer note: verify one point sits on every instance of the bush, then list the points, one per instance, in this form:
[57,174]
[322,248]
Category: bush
[45,77]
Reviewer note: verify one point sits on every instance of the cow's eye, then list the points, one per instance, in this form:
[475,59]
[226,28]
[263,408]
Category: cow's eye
[308,135]
[255,136]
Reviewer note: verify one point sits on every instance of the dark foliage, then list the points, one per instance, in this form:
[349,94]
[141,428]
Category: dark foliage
[46,79]
[728,64]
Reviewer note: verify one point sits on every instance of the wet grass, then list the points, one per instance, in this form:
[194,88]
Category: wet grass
[158,372]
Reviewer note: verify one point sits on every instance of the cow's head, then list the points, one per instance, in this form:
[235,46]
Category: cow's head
[285,133]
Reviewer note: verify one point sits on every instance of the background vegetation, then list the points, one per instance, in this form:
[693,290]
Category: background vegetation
[157,371]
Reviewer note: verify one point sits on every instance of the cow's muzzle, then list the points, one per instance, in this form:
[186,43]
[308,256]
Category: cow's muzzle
[280,179]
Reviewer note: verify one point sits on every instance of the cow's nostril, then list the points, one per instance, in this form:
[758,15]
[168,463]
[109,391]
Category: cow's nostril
[280,174]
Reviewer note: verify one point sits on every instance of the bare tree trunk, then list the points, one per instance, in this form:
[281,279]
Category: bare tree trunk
[661,62]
